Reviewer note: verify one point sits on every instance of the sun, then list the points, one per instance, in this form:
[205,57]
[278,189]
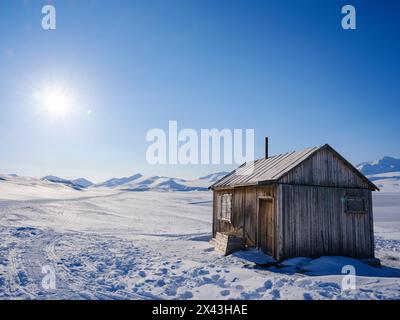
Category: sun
[55,101]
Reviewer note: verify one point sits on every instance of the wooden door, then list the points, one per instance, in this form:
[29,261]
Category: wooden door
[266,226]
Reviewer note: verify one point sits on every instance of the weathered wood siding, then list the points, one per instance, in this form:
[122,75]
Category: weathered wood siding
[244,220]
[324,169]
[309,217]
[313,223]
[266,239]
[250,216]
[270,193]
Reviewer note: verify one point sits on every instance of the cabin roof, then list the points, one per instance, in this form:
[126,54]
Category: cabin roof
[272,169]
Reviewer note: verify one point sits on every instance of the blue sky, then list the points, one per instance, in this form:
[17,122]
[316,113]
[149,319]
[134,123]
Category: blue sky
[285,68]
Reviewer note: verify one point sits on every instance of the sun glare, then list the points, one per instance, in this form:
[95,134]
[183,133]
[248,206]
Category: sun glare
[55,101]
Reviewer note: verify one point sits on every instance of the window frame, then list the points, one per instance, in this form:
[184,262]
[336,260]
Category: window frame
[225,207]
[355,198]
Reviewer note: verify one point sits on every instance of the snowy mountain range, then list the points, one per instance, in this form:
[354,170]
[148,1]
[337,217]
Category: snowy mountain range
[76,184]
[383,165]
[139,182]
[384,172]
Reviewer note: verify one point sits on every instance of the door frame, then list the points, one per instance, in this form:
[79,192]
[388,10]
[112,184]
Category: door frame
[258,236]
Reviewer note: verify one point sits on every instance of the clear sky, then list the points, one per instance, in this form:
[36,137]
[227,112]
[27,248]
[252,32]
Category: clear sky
[285,68]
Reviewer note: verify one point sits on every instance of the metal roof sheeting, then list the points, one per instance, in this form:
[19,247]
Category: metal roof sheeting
[264,170]
[272,169]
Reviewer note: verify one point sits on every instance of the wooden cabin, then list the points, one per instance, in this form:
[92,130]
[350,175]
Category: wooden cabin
[306,203]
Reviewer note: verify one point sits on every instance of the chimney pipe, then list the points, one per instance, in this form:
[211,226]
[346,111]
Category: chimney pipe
[266,147]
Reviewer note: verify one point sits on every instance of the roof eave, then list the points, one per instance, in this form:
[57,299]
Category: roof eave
[254,184]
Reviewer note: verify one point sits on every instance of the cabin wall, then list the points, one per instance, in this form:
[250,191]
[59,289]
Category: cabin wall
[244,212]
[324,168]
[312,222]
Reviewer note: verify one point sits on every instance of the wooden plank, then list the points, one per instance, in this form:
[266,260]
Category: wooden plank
[315,223]
[324,168]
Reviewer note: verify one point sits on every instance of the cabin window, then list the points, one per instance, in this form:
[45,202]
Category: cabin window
[355,205]
[225,207]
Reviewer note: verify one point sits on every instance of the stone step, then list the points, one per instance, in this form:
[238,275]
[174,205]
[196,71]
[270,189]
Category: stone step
[227,243]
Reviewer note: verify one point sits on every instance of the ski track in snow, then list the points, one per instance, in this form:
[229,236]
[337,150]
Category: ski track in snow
[154,245]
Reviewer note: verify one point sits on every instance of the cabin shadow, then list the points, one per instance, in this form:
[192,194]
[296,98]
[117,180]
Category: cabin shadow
[314,267]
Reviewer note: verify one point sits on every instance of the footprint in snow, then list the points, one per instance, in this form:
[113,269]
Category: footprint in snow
[206,280]
[142,274]
[280,283]
[24,232]
[261,289]
[3,261]
[162,271]
[215,277]
[178,280]
[225,293]
[276,295]
[22,278]
[171,291]
[160,283]
[268,284]
[250,295]
[304,283]
[201,272]
[329,285]
[307,296]
[186,295]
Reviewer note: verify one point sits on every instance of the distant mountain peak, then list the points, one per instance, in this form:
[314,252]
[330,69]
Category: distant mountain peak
[382,165]
[115,182]
[55,179]
[214,176]
[69,183]
[83,182]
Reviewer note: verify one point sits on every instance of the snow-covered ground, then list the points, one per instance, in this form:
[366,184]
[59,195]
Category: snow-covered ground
[108,244]
[387,182]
